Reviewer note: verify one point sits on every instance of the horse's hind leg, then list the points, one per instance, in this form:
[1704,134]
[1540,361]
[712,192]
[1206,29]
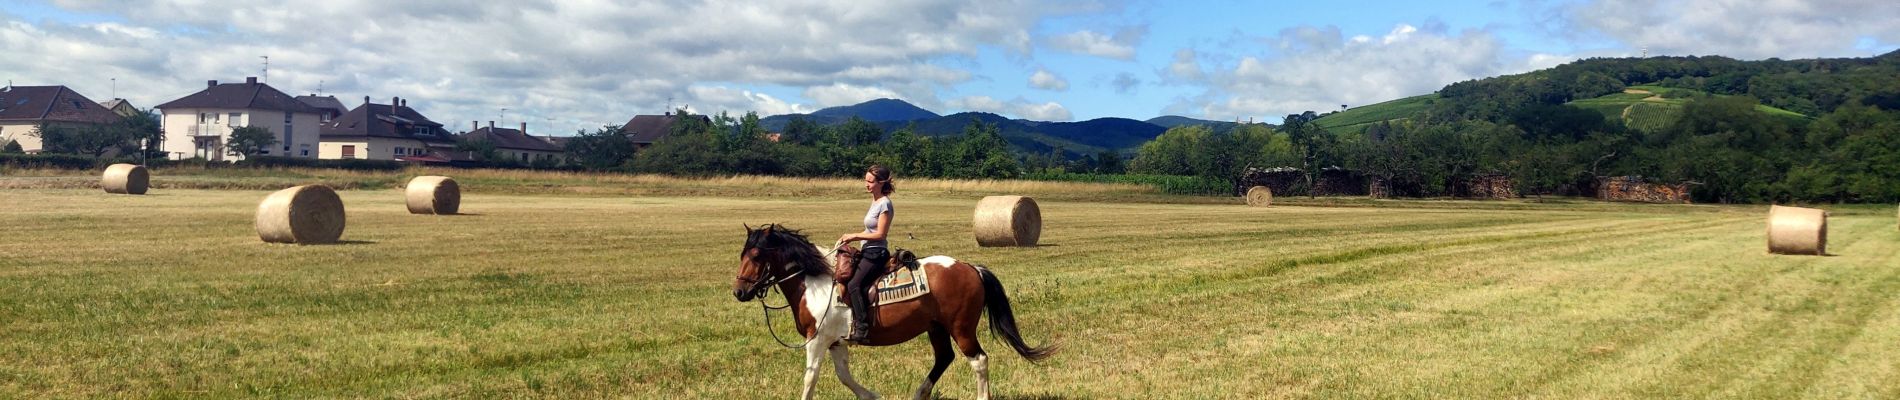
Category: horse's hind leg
[841,358]
[979,362]
[939,341]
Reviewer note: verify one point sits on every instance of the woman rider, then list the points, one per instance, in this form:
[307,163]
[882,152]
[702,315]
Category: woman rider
[875,253]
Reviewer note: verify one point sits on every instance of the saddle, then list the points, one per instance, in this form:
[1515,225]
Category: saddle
[902,279]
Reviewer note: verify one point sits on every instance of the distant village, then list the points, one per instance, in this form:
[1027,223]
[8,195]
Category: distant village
[200,125]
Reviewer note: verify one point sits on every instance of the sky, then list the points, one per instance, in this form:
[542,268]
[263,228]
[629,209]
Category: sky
[562,66]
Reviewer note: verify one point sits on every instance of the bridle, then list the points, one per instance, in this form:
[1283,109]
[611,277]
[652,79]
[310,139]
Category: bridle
[761,288]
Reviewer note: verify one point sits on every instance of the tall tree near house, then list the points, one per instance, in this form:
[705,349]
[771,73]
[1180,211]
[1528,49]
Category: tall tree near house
[250,140]
[601,149]
[93,140]
[1308,140]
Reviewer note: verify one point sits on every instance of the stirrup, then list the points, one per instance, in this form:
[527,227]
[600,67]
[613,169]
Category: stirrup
[858,334]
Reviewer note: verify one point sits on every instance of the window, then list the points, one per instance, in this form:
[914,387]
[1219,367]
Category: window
[349,151]
[306,152]
[401,151]
[234,119]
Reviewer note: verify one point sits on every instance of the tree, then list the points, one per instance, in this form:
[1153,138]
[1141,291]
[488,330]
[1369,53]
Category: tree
[146,131]
[1309,140]
[86,139]
[250,140]
[601,149]
[482,150]
[12,147]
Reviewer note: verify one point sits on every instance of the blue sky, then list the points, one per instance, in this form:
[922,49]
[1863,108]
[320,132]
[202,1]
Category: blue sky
[574,65]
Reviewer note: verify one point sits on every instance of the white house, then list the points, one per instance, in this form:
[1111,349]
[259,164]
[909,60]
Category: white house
[25,108]
[386,132]
[200,124]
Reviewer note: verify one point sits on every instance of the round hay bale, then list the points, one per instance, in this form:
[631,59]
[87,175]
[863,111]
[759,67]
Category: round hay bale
[125,179]
[1260,196]
[1797,230]
[434,195]
[310,214]
[1003,221]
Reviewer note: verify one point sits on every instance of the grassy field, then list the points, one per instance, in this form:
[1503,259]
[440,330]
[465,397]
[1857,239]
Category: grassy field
[588,294]
[1358,118]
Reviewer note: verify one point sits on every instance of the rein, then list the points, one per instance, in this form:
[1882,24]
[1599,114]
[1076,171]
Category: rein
[767,309]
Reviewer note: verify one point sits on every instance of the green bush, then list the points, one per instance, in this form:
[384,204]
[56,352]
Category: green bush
[350,164]
[55,161]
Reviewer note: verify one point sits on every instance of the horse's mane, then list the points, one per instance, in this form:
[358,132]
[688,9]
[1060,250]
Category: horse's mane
[791,242]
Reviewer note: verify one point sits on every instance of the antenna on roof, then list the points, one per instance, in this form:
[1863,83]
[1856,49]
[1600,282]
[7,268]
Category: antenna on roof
[266,68]
[319,87]
[115,88]
[504,116]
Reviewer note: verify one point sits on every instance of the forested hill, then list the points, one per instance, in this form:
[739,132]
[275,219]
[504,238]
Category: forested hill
[1740,131]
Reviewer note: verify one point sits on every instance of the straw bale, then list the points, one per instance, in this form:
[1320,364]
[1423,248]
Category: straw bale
[125,179]
[1003,221]
[1797,230]
[434,195]
[310,214]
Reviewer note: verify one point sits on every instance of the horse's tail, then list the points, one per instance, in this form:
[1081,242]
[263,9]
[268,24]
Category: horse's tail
[1003,319]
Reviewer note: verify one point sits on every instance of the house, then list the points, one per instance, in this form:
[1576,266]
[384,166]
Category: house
[515,145]
[200,124]
[332,108]
[24,108]
[644,130]
[385,132]
[120,106]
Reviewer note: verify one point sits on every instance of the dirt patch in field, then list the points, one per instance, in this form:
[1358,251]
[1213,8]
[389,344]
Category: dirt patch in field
[1637,91]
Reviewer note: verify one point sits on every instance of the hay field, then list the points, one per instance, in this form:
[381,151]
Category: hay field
[171,295]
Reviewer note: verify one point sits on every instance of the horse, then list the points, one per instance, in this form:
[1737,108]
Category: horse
[775,256]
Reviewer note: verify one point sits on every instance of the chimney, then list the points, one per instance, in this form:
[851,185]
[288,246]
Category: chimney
[474,126]
[365,100]
[394,101]
[405,102]
[491,125]
[250,80]
[210,83]
[524,128]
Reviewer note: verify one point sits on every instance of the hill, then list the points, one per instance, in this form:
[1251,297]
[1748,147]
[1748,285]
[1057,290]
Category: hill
[1649,107]
[1358,118]
[1170,121]
[880,110]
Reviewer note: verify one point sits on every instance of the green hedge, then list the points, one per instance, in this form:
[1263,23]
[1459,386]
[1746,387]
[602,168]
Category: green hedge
[69,161]
[350,164]
[1171,184]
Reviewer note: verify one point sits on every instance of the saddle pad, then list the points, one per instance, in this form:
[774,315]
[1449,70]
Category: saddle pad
[904,284]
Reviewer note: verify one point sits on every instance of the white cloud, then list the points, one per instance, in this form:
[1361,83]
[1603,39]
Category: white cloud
[843,95]
[1045,80]
[1120,45]
[1185,66]
[1747,29]
[1016,108]
[587,62]
[1319,69]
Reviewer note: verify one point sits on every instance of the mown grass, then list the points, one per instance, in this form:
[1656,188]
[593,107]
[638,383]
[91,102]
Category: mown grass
[586,296]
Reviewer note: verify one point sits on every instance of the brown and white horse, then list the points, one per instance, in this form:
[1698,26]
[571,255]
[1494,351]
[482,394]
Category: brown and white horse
[959,295]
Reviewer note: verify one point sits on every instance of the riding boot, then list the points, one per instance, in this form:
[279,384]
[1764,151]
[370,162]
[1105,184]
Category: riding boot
[870,268]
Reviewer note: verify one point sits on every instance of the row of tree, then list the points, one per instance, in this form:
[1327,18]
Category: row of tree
[726,145]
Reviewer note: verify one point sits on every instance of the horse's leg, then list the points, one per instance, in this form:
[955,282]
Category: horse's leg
[814,357]
[939,341]
[841,358]
[965,334]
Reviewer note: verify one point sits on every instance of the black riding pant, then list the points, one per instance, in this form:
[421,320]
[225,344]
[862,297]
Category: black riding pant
[871,266]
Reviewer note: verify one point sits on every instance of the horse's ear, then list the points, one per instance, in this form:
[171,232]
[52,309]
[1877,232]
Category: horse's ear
[748,227]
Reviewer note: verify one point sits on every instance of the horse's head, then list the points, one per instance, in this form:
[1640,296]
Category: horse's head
[771,254]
